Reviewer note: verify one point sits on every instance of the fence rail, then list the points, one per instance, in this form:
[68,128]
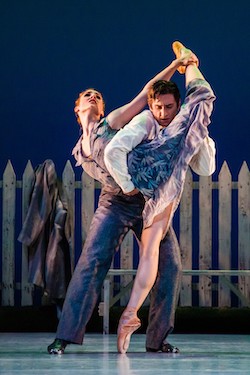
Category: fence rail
[212,224]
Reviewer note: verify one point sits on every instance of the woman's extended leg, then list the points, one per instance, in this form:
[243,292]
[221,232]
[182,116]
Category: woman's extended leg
[152,235]
[145,277]
[191,70]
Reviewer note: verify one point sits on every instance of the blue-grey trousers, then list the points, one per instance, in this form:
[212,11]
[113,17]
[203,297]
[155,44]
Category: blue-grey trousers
[114,217]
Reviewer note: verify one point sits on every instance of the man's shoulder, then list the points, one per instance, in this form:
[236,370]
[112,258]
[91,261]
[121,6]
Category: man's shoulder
[143,118]
[149,122]
[146,113]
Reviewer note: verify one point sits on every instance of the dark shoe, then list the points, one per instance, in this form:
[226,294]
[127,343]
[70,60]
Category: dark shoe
[165,348]
[168,348]
[57,347]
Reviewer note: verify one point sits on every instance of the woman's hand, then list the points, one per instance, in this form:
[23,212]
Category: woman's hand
[133,192]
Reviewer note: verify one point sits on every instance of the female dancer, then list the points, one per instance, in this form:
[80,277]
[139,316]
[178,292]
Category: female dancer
[157,169]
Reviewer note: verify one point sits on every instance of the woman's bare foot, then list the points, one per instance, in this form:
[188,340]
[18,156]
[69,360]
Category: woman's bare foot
[185,55]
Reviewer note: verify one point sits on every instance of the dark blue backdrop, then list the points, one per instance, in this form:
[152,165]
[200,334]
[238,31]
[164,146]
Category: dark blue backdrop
[51,49]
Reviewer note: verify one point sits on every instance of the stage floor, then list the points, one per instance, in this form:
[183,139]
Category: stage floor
[25,353]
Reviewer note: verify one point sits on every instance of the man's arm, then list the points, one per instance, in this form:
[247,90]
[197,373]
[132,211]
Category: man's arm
[116,152]
[121,116]
[203,163]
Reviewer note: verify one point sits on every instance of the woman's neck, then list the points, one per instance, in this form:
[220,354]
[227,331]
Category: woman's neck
[87,122]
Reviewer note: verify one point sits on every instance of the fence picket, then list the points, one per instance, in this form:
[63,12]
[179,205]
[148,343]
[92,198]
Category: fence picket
[68,180]
[126,261]
[244,227]
[185,239]
[225,222]
[88,203]
[205,239]
[26,287]
[8,247]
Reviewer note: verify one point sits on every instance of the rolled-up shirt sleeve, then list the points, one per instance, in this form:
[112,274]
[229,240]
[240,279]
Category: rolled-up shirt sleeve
[126,139]
[203,163]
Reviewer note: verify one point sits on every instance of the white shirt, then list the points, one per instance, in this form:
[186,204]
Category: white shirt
[145,127]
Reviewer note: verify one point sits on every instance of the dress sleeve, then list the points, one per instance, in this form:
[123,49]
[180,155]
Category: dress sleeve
[203,163]
[126,139]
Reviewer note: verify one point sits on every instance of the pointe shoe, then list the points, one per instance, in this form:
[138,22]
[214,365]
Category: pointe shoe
[178,49]
[129,323]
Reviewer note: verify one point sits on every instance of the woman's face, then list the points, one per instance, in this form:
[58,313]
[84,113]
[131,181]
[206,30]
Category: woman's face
[92,100]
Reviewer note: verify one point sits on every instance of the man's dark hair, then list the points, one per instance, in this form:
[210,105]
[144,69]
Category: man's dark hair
[162,87]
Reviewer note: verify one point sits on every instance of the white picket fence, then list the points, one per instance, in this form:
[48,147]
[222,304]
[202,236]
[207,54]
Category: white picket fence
[213,227]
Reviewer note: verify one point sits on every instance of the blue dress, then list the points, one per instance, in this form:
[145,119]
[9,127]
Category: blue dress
[158,167]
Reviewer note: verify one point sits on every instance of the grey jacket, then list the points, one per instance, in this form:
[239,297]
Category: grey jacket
[47,233]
